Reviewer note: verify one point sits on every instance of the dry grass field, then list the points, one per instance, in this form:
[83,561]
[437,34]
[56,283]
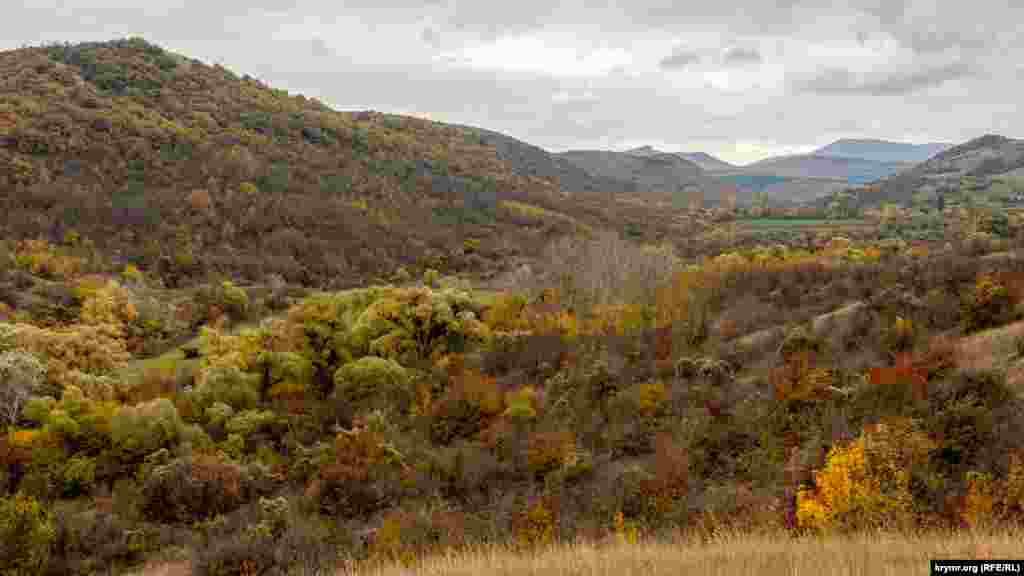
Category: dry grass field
[878,555]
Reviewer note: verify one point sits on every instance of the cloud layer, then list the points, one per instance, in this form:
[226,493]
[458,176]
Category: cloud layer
[734,78]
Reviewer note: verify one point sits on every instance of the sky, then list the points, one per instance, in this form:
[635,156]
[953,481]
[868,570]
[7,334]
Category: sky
[739,79]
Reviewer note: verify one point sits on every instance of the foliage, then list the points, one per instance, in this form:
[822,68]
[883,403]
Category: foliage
[145,428]
[196,488]
[26,533]
[95,350]
[21,376]
[988,304]
[373,383]
[867,483]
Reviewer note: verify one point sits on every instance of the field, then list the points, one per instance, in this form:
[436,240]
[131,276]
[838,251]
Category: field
[728,555]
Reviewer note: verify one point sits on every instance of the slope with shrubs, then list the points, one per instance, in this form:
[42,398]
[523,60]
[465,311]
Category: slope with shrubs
[184,169]
[381,424]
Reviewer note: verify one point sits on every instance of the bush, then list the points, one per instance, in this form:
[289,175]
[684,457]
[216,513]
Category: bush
[145,428]
[867,483]
[373,383]
[363,477]
[198,488]
[91,541]
[465,408]
[264,539]
[26,534]
[987,305]
[230,386]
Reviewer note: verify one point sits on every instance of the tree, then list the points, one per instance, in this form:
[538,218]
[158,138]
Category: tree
[21,376]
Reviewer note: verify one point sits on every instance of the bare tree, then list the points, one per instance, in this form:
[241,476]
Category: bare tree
[21,376]
[607,269]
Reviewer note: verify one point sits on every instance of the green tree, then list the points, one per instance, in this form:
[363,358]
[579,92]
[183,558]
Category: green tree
[26,533]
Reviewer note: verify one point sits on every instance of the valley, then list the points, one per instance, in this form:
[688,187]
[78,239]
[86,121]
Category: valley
[243,333]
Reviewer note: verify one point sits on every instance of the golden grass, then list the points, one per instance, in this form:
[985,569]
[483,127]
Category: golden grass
[878,555]
[534,212]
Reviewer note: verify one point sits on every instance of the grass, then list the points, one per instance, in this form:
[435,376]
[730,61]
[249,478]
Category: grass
[995,349]
[878,555]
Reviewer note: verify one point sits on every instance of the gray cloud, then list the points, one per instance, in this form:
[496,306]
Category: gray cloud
[842,81]
[738,56]
[431,37]
[679,58]
[320,48]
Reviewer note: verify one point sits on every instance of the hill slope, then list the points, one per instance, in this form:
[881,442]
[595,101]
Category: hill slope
[707,161]
[643,171]
[972,164]
[188,169]
[882,150]
[529,160]
[854,170]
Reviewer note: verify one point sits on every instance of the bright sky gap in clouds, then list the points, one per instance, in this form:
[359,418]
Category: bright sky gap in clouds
[736,78]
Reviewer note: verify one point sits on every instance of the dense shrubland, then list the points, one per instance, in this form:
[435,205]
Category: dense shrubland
[616,390]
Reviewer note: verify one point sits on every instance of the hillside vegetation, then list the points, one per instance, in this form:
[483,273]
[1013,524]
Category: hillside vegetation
[188,169]
[637,370]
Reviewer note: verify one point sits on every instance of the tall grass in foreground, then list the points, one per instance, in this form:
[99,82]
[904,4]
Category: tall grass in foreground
[875,554]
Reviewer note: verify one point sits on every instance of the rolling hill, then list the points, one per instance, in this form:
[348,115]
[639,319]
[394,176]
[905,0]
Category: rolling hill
[972,165]
[639,172]
[852,170]
[189,170]
[882,150]
[708,162]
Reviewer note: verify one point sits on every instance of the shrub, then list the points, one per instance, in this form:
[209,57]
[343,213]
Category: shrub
[225,297]
[636,414]
[263,539]
[373,383]
[549,451]
[465,408]
[197,488]
[867,483]
[359,481]
[26,534]
[92,541]
[93,350]
[228,385]
[147,427]
[21,377]
[988,304]
[536,523]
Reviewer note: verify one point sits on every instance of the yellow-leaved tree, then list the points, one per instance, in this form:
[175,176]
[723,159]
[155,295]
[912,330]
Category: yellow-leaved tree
[866,483]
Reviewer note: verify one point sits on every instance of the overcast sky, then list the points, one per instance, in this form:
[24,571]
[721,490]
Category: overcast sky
[741,79]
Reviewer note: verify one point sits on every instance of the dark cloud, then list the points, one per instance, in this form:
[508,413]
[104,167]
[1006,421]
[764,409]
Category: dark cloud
[842,81]
[741,56]
[679,58]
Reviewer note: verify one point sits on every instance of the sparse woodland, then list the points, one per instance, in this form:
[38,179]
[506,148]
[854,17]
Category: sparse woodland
[243,330]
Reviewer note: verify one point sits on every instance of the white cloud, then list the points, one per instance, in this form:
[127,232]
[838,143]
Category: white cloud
[534,53]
